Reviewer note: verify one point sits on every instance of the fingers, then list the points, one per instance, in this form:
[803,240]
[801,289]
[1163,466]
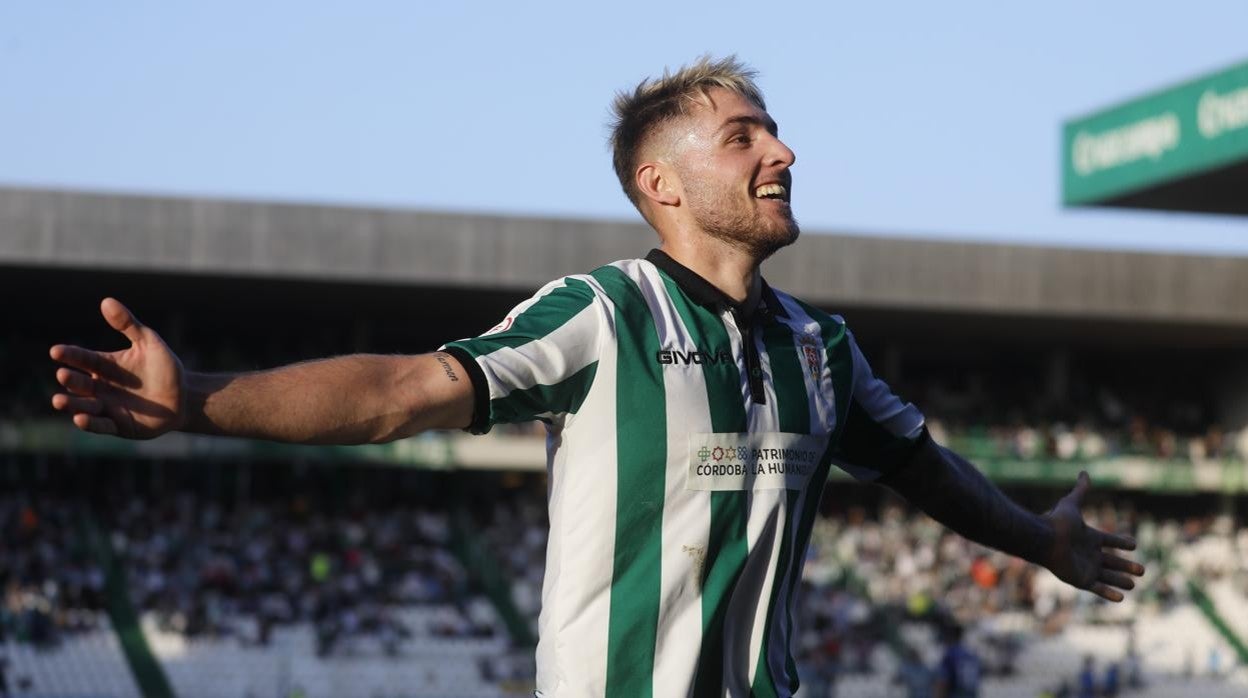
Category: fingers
[81,359]
[71,403]
[97,364]
[1115,575]
[1117,579]
[87,411]
[76,382]
[1106,592]
[1082,485]
[95,424]
[121,319]
[1113,540]
[1113,562]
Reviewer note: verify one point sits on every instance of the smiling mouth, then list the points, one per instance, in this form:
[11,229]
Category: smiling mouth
[772,191]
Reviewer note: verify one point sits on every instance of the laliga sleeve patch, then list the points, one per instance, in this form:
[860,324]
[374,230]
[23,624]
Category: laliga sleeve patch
[500,327]
[759,461]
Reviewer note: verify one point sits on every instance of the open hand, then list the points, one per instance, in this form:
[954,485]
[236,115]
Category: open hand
[136,393]
[1082,556]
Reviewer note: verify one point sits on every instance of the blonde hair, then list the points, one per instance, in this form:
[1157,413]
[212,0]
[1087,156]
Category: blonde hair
[638,113]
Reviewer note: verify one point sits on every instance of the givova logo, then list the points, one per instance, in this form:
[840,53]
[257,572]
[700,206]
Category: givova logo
[697,356]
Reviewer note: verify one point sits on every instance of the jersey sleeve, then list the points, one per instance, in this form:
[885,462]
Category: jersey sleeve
[881,430]
[539,362]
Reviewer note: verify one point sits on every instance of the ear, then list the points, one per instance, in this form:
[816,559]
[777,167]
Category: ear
[658,183]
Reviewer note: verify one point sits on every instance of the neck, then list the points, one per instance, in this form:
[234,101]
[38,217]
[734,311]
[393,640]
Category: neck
[731,270]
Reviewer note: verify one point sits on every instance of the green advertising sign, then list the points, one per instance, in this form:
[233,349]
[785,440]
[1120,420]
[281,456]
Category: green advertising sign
[1196,127]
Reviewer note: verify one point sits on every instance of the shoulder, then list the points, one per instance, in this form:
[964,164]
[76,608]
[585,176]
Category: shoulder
[627,281]
[611,285]
[630,268]
[577,290]
[797,306]
[810,318]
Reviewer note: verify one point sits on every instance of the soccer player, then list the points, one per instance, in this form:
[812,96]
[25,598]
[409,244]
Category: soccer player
[693,412]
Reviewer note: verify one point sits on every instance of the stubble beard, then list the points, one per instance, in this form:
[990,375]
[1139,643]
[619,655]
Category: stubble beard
[746,228]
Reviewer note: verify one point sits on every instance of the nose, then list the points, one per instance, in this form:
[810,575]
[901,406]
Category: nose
[779,154]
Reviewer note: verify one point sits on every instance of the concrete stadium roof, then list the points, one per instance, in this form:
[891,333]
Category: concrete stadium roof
[63,229]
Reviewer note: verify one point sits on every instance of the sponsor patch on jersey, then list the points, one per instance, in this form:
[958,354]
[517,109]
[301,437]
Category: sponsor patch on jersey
[745,461]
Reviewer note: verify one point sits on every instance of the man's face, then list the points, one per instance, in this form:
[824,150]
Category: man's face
[734,173]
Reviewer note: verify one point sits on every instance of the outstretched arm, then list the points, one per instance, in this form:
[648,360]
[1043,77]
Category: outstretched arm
[143,391]
[956,494]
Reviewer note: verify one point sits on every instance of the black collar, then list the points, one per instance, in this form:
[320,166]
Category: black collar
[707,294]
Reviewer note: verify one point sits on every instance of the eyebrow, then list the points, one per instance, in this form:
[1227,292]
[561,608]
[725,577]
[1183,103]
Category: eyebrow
[751,120]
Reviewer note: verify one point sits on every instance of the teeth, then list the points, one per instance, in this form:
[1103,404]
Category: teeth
[767,190]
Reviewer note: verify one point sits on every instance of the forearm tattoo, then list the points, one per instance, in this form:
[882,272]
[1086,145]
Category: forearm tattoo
[446,367]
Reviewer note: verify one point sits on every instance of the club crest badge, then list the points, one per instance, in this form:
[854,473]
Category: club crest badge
[812,351]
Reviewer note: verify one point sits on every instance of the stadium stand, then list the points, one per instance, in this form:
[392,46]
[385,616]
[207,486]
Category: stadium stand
[420,665]
[879,579]
[334,595]
[1031,631]
[875,573]
[87,664]
[56,638]
[1037,366]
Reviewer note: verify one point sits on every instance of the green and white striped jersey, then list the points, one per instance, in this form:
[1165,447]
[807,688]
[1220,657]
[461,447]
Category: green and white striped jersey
[688,447]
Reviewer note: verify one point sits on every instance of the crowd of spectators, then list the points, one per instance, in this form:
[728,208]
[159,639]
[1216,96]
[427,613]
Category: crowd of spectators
[50,584]
[1083,441]
[871,569]
[860,564]
[516,531]
[205,571]
[1100,413]
[866,573]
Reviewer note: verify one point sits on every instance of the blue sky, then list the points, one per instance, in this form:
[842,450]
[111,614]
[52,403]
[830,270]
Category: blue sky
[936,120]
